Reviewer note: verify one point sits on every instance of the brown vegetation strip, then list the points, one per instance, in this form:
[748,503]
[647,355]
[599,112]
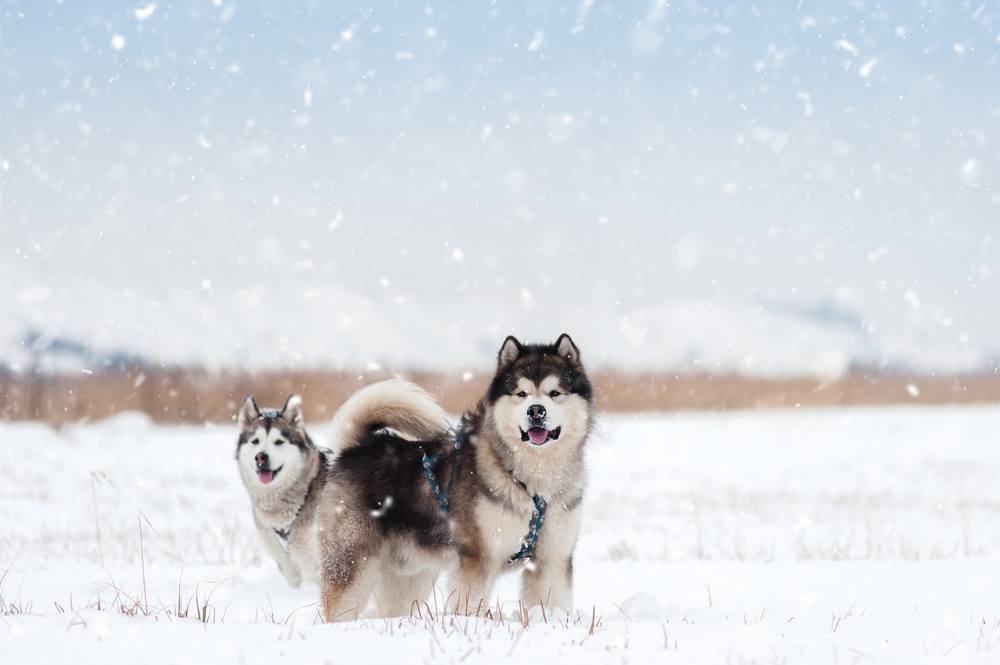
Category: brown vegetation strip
[195,395]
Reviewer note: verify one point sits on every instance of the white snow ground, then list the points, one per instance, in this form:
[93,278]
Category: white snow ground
[840,536]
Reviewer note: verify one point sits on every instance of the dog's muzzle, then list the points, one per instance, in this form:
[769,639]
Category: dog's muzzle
[540,435]
[265,473]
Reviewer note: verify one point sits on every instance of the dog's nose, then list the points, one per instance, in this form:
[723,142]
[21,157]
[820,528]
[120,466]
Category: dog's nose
[261,458]
[536,413]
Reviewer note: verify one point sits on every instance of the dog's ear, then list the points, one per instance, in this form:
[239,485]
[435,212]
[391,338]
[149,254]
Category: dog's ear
[509,352]
[567,349]
[292,411]
[248,412]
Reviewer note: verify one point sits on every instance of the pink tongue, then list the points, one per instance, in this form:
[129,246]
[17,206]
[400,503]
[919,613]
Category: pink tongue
[266,476]
[538,435]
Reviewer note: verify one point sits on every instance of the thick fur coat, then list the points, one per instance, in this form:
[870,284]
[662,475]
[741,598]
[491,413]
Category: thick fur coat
[366,523]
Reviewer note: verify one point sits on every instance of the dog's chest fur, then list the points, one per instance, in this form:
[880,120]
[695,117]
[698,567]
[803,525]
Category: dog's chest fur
[502,528]
[303,548]
[277,510]
[504,505]
[294,511]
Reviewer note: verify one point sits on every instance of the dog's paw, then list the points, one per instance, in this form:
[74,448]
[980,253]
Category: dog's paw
[292,576]
[530,615]
[536,614]
[559,613]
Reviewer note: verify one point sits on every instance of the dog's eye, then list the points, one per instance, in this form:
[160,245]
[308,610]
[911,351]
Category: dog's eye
[255,441]
[554,393]
[278,442]
[521,394]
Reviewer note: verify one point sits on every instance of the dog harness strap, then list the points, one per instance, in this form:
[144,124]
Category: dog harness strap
[527,550]
[282,535]
[428,463]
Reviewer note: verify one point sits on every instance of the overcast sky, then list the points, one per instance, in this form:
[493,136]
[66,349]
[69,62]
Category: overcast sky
[837,161]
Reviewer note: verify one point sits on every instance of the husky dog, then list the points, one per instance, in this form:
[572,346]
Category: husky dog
[295,504]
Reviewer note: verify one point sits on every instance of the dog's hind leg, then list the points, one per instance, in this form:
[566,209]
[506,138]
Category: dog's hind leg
[345,597]
[471,586]
[396,594]
[350,571]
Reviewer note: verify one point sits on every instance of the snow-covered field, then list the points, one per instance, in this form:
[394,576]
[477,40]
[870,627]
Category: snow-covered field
[833,536]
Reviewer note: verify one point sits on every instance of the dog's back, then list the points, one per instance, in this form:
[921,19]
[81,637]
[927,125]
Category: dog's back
[342,495]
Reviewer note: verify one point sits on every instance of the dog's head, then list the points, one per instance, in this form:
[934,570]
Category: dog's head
[541,396]
[273,448]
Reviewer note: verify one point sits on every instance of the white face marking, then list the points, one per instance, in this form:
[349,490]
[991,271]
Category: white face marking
[565,412]
[282,456]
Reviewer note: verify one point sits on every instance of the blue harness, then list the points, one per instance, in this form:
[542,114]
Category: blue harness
[428,463]
[527,550]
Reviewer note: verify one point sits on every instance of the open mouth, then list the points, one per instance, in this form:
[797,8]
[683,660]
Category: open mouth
[540,435]
[266,475]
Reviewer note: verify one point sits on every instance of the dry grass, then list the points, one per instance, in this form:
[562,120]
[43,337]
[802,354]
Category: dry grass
[196,395]
[114,598]
[11,606]
[436,614]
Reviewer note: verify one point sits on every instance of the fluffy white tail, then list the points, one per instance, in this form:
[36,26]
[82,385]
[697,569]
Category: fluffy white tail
[397,404]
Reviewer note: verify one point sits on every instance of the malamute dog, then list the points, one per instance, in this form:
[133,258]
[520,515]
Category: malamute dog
[520,476]
[502,490]
[297,508]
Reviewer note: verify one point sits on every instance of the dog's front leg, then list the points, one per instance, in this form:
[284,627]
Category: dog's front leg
[288,569]
[549,583]
[548,579]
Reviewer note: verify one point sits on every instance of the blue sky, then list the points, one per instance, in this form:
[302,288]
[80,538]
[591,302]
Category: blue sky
[831,155]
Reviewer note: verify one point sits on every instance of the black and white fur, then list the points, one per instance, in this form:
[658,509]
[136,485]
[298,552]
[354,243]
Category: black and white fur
[383,526]
[296,506]
[526,438]
[362,520]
